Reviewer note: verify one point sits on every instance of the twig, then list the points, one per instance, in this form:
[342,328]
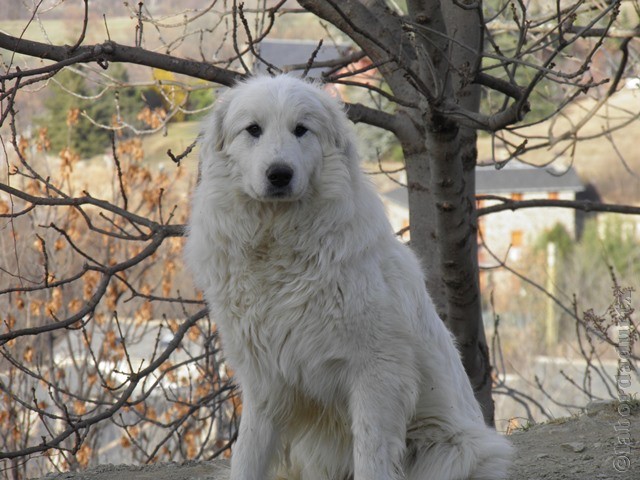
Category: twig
[178,158]
[116,160]
[312,59]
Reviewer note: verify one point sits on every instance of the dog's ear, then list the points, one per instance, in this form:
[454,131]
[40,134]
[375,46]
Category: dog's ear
[213,132]
[337,128]
[342,132]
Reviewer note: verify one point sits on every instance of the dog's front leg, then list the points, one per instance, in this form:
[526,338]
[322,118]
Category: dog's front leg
[379,405]
[254,451]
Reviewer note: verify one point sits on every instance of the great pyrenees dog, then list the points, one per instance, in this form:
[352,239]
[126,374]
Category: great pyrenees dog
[345,368]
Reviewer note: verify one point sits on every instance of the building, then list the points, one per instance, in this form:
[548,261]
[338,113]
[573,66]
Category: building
[506,233]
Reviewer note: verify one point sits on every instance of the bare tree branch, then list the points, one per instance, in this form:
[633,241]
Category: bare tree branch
[584,205]
[114,52]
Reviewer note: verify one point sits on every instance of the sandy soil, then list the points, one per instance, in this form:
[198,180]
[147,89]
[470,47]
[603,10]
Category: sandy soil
[576,448]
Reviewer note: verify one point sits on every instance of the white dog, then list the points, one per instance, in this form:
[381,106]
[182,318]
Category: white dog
[345,368]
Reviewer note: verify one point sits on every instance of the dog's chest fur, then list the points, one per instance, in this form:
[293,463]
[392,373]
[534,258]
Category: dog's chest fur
[275,303]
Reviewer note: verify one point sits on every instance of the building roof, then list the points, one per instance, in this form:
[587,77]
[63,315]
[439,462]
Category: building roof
[518,177]
[515,177]
[282,53]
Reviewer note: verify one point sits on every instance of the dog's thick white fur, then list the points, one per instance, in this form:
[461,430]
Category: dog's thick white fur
[345,368]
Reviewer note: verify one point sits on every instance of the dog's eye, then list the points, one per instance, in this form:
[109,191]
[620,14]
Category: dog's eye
[254,130]
[300,130]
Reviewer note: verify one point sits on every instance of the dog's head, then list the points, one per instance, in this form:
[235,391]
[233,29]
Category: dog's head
[275,133]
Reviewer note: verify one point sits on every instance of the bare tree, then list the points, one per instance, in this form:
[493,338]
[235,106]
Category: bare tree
[436,73]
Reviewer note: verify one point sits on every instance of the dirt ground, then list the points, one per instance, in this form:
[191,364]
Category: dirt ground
[591,446]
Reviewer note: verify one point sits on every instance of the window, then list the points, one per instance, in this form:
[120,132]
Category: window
[517,238]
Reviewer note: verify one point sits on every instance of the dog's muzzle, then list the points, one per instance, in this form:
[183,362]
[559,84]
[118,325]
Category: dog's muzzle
[279,177]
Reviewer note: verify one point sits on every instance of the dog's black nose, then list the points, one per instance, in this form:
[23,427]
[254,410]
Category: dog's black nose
[279,175]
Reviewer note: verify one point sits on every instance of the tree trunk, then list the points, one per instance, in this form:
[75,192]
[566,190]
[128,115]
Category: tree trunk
[441,184]
[451,37]
[453,184]
[422,212]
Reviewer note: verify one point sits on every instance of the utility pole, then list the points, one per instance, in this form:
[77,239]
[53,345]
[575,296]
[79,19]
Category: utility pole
[551,322]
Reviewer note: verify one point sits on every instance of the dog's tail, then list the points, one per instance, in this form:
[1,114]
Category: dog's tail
[474,452]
